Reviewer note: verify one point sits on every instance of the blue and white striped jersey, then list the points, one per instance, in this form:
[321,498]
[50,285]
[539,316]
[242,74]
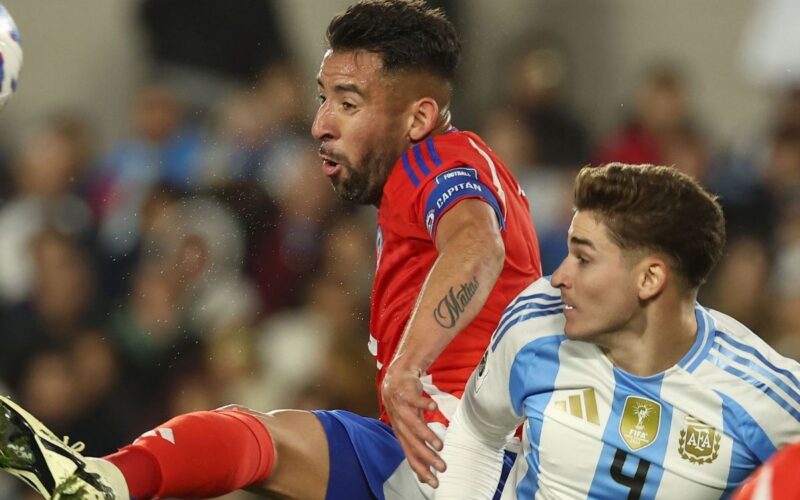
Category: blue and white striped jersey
[594,431]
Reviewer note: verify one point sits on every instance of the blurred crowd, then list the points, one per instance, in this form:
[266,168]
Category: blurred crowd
[204,260]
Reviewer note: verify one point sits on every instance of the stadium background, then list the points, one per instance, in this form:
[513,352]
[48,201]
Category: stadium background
[167,242]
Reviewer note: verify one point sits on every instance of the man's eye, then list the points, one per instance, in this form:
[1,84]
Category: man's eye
[321,98]
[348,106]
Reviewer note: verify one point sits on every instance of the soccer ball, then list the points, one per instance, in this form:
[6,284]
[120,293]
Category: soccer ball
[10,56]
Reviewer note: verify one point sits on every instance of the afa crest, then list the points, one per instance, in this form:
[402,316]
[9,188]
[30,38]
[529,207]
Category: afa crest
[639,422]
[698,443]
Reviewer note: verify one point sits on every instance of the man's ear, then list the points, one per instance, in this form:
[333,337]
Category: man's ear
[423,119]
[652,277]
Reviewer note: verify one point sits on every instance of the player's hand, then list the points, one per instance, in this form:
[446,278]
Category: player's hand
[405,404]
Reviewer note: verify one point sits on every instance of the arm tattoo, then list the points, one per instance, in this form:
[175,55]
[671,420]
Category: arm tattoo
[454,303]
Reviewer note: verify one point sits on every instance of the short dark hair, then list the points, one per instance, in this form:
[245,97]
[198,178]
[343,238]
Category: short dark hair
[407,34]
[656,208]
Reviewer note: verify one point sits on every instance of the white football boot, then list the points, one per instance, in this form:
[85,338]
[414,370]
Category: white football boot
[49,465]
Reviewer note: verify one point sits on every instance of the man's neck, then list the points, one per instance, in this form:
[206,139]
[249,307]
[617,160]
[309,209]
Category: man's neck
[663,336]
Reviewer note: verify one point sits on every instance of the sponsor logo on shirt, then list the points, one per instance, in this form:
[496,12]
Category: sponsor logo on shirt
[639,422]
[699,442]
[581,404]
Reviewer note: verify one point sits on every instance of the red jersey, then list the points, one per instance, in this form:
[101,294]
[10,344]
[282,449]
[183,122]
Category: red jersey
[428,180]
[776,479]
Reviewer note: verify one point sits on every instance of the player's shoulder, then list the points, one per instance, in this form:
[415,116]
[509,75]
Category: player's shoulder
[535,315]
[431,158]
[743,368]
[759,388]
[733,337]
[458,147]
[540,288]
[437,158]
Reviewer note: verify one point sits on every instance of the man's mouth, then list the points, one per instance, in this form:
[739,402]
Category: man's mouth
[330,167]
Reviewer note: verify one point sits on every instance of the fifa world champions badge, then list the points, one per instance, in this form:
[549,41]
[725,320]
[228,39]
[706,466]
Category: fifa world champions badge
[698,443]
[640,422]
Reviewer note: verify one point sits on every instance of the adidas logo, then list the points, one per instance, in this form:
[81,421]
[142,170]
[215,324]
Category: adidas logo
[163,432]
[581,404]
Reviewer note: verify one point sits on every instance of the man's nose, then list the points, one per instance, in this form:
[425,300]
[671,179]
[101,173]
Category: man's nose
[323,126]
[559,277]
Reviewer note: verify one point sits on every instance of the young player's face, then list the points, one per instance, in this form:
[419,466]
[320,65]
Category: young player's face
[359,124]
[597,282]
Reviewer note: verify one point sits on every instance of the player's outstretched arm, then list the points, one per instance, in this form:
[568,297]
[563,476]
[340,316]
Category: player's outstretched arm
[484,423]
[471,256]
[474,460]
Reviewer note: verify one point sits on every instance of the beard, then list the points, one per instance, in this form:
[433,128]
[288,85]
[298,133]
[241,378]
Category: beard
[364,184]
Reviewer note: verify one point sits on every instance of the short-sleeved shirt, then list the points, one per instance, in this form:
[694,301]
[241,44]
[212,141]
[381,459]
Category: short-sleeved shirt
[428,180]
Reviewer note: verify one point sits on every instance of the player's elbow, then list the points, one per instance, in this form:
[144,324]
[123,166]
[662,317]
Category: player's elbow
[492,251]
[497,252]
